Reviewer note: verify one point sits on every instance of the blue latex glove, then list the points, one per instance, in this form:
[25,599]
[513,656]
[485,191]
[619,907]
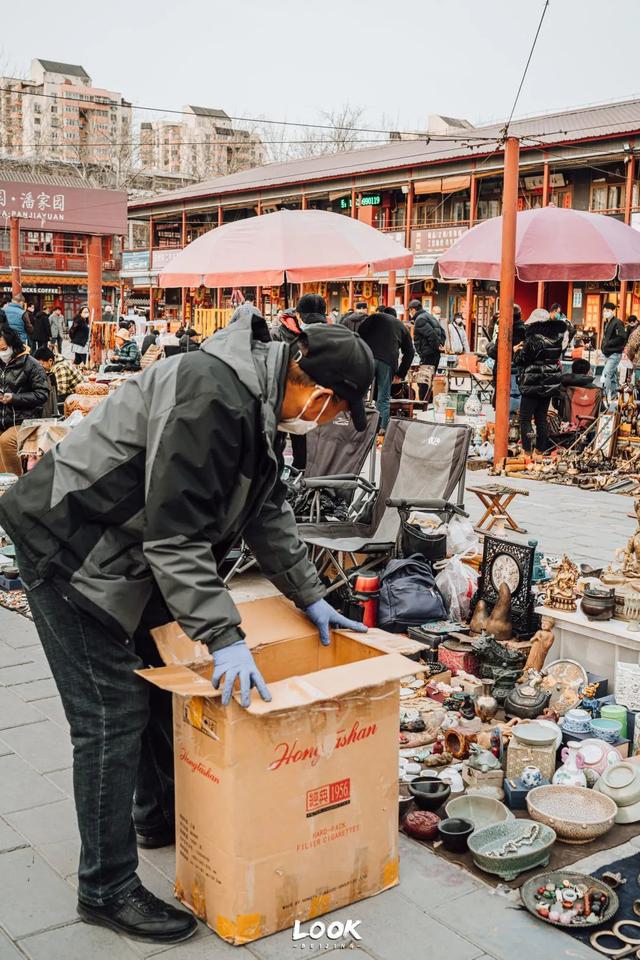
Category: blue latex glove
[236,662]
[323,615]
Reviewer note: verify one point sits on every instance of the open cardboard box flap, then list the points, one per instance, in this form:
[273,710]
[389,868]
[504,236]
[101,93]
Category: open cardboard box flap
[272,621]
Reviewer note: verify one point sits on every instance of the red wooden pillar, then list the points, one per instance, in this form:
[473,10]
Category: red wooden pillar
[391,288]
[94,278]
[151,291]
[407,243]
[545,203]
[220,215]
[628,196]
[303,202]
[473,212]
[507,287]
[14,240]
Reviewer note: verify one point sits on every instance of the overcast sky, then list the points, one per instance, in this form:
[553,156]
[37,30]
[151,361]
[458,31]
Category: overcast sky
[293,58]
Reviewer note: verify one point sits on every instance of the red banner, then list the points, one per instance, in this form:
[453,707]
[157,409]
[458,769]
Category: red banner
[41,206]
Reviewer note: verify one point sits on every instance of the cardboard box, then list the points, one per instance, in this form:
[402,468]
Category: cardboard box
[289,809]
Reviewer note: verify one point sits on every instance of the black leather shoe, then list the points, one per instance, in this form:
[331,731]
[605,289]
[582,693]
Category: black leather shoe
[141,916]
[165,837]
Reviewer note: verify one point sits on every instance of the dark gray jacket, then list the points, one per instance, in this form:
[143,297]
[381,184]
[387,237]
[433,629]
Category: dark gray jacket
[144,498]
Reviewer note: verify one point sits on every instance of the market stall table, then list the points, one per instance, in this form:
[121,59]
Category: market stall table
[483,382]
[600,644]
[496,498]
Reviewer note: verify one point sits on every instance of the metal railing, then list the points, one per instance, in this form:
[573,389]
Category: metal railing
[207,320]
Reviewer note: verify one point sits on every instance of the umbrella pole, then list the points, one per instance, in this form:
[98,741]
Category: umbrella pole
[507,289]
[286,292]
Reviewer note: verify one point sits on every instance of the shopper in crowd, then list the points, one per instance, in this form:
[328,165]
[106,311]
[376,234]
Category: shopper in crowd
[45,358]
[428,338]
[79,336]
[190,340]
[150,340]
[123,526]
[16,313]
[632,348]
[334,316]
[108,316]
[579,376]
[67,377]
[126,355]
[456,334]
[353,318]
[41,329]
[24,391]
[387,338]
[58,328]
[539,375]
[518,335]
[436,313]
[614,340]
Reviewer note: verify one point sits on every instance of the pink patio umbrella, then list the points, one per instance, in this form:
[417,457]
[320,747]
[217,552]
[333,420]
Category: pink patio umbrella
[290,245]
[551,244]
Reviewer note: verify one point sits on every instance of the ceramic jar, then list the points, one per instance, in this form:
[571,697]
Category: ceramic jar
[615,711]
[486,705]
[576,721]
[525,702]
[570,774]
[596,756]
[598,603]
[531,777]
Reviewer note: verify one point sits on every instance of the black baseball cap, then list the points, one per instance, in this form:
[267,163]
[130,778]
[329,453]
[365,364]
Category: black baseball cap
[339,359]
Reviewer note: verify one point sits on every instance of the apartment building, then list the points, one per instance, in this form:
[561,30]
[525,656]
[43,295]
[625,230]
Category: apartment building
[57,114]
[204,142]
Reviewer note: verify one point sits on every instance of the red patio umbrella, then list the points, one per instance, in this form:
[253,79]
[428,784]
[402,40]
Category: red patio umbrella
[290,245]
[551,244]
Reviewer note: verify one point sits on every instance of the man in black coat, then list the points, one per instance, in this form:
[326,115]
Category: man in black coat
[428,338]
[354,318]
[41,329]
[387,338]
[614,341]
[540,375]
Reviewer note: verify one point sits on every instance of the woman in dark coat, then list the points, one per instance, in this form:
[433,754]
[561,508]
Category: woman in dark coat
[539,376]
[79,336]
[23,393]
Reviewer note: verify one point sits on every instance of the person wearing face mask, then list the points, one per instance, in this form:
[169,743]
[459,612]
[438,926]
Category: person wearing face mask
[79,336]
[24,391]
[123,527]
[614,340]
[311,308]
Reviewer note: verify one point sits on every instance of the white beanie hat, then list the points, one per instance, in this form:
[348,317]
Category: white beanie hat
[539,315]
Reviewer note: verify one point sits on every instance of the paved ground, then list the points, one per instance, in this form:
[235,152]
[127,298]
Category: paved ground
[437,911]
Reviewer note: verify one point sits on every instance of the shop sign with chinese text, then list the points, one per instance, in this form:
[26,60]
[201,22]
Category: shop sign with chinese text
[67,209]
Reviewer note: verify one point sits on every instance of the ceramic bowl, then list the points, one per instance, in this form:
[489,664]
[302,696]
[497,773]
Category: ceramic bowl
[481,811]
[455,833]
[404,800]
[576,721]
[530,888]
[607,730]
[596,756]
[621,782]
[487,845]
[576,814]
[535,734]
[429,793]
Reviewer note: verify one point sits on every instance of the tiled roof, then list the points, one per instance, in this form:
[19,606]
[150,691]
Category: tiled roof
[53,66]
[30,173]
[209,112]
[552,128]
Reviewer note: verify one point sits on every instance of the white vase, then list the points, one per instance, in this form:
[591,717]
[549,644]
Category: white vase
[570,774]
[473,406]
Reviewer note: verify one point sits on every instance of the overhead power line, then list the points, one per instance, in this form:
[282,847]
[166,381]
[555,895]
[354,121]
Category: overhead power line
[526,68]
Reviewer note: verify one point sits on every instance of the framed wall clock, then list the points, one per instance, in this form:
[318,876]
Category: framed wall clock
[507,562]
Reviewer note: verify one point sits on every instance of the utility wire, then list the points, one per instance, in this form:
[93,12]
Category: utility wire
[526,68]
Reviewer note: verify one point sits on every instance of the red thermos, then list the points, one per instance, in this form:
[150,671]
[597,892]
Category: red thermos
[366,591]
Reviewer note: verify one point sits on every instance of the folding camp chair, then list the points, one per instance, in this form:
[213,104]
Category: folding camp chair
[580,407]
[331,486]
[332,449]
[422,464]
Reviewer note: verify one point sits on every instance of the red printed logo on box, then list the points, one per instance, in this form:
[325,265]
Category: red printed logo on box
[328,797]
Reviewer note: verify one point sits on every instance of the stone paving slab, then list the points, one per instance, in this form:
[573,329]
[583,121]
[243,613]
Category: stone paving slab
[46,824]
[22,787]
[36,669]
[10,656]
[14,712]
[9,839]
[63,779]
[7,950]
[45,745]
[52,708]
[34,897]
[78,941]
[35,690]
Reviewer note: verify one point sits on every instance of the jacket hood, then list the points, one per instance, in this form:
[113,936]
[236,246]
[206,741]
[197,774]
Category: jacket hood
[546,328]
[246,347]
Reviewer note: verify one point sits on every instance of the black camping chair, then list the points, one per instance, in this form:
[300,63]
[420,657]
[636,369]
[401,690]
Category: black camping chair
[420,463]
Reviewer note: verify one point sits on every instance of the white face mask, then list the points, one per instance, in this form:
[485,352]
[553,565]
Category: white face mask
[5,355]
[297,424]
[607,314]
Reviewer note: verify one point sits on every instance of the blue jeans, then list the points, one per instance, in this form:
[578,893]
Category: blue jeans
[121,734]
[610,374]
[383,392]
[514,394]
